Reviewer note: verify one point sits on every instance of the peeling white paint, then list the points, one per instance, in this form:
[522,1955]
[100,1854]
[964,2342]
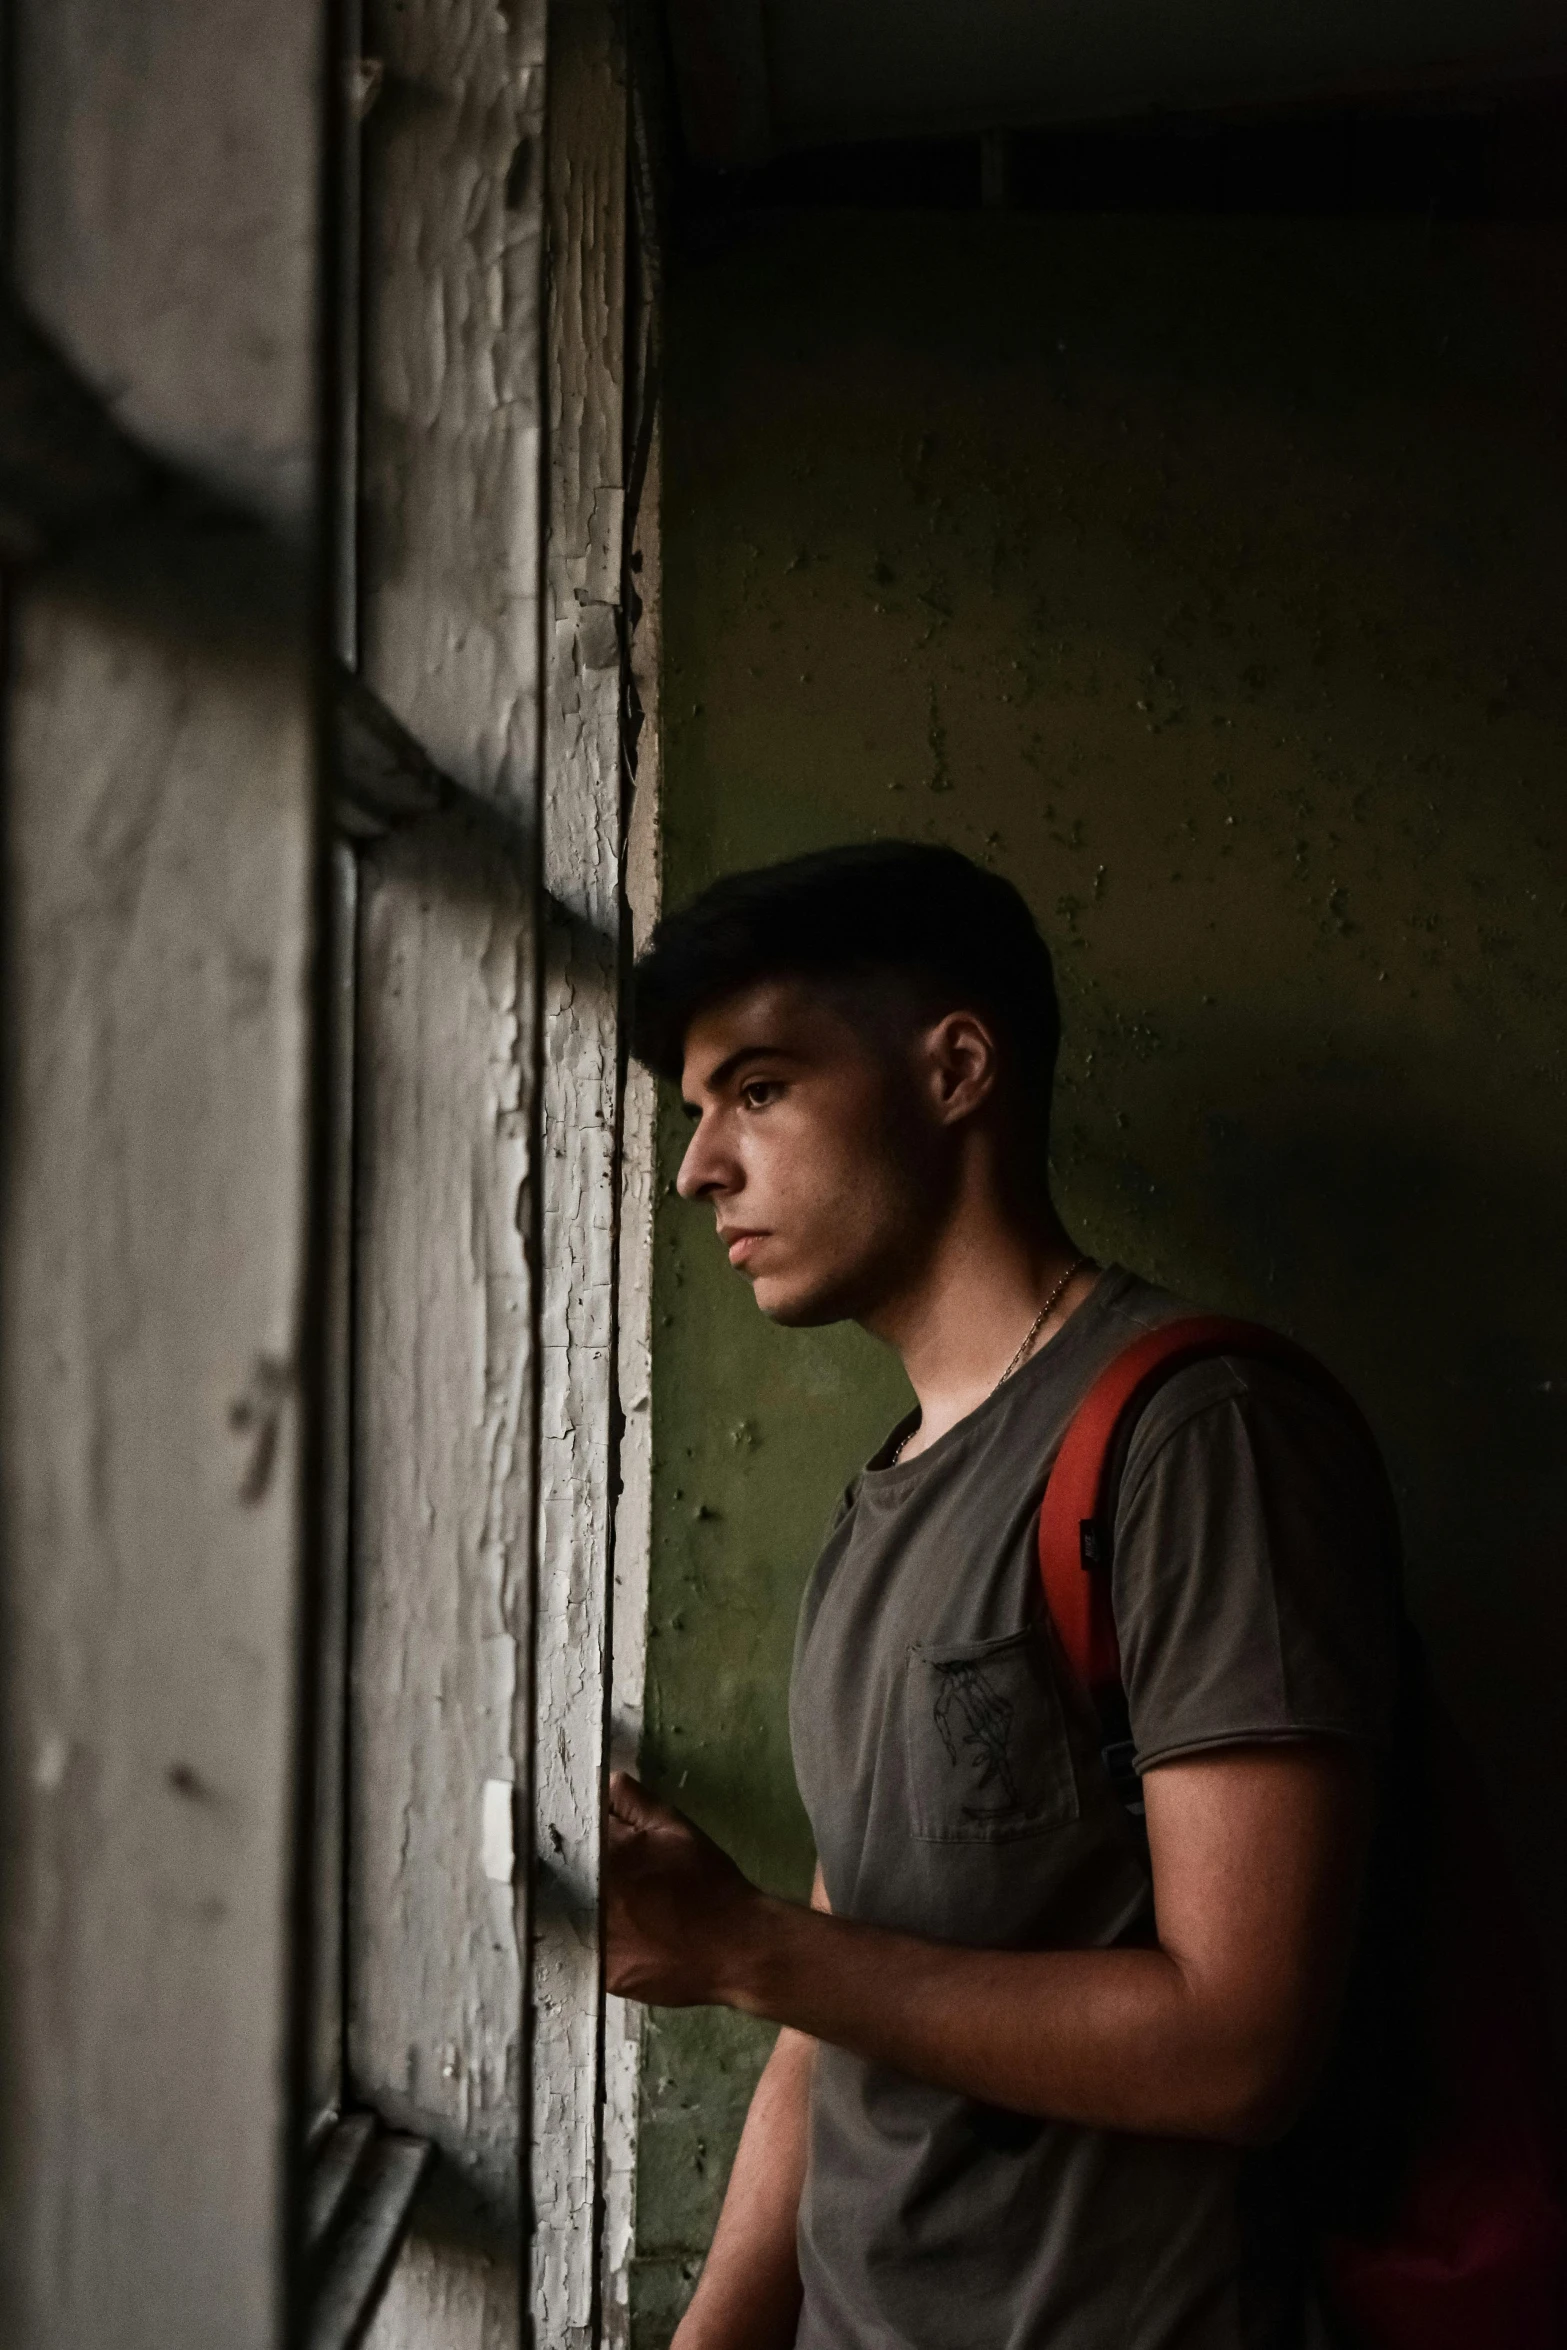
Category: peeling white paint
[449,639]
[581,852]
[634,1508]
[449,624]
[444,1494]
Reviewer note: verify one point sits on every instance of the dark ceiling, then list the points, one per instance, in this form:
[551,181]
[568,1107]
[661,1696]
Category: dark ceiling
[758,78]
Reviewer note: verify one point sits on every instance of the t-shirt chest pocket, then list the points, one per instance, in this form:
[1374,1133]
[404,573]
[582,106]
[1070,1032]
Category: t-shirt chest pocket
[986,1741]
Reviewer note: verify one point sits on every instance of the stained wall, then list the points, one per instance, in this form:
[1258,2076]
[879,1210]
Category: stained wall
[1206,577]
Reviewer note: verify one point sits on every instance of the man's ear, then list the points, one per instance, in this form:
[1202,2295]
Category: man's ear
[961,1065]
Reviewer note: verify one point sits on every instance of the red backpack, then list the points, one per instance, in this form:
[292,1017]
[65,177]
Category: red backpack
[1465,2245]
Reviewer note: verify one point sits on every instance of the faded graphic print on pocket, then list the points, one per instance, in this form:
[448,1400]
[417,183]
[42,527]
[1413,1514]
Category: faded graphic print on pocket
[986,1741]
[975,1720]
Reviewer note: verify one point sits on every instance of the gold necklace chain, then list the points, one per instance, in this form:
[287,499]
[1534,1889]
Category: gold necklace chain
[1029,1336]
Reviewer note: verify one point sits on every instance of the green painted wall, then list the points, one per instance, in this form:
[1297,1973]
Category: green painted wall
[1206,577]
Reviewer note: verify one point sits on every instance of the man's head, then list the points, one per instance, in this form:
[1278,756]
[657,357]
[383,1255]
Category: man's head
[859,1034]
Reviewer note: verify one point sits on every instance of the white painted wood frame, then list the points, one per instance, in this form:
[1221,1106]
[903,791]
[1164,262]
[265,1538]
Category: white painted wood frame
[487,1314]
[445,1116]
[160,935]
[583,858]
[634,1352]
[167,1307]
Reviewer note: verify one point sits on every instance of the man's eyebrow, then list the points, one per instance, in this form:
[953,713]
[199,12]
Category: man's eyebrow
[726,1068]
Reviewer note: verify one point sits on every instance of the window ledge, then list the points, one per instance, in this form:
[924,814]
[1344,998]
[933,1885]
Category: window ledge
[358,2198]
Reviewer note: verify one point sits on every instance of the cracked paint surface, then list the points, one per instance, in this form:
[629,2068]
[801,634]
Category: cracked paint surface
[444,1495]
[449,632]
[581,857]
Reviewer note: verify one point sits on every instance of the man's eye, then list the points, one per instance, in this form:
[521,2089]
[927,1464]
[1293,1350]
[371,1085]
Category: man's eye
[759,1092]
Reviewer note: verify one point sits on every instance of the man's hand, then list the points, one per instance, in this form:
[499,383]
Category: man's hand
[1216,2032]
[676,1909]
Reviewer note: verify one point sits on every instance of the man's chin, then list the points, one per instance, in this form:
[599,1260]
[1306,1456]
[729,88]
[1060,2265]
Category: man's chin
[795,1306]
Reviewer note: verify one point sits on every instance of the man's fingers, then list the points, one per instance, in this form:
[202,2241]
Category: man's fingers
[617,1835]
[630,1802]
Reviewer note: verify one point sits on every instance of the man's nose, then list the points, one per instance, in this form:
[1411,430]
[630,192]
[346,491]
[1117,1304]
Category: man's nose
[700,1169]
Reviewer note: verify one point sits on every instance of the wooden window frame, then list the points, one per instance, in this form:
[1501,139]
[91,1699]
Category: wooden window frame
[443,796]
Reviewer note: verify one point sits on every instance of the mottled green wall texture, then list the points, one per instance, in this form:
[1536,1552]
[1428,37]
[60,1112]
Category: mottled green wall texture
[1207,578]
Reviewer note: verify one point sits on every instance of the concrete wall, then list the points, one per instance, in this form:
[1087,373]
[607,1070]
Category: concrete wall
[1206,577]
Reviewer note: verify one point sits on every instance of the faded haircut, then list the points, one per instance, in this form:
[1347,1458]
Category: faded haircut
[852,919]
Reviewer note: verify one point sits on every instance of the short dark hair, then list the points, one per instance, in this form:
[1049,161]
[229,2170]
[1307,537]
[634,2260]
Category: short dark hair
[899,908]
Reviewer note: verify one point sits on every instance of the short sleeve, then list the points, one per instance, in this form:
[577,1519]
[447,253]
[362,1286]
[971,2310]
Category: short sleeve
[1255,1594]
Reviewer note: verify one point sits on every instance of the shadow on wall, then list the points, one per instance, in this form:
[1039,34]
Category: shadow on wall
[1206,577]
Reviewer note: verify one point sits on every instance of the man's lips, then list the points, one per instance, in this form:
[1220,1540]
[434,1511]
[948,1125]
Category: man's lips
[741,1245]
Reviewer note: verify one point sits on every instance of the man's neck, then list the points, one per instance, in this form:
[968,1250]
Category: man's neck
[960,1325]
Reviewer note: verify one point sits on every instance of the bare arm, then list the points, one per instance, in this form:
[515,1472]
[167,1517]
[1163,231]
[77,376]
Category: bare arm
[1215,2032]
[749,2294]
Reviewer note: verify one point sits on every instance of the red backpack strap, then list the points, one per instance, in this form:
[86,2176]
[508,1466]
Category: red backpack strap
[1075,1517]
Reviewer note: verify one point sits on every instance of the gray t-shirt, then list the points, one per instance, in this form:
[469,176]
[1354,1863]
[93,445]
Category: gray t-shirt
[953,1779]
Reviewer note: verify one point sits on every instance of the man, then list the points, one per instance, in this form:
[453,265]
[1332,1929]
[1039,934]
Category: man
[1032,2065]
